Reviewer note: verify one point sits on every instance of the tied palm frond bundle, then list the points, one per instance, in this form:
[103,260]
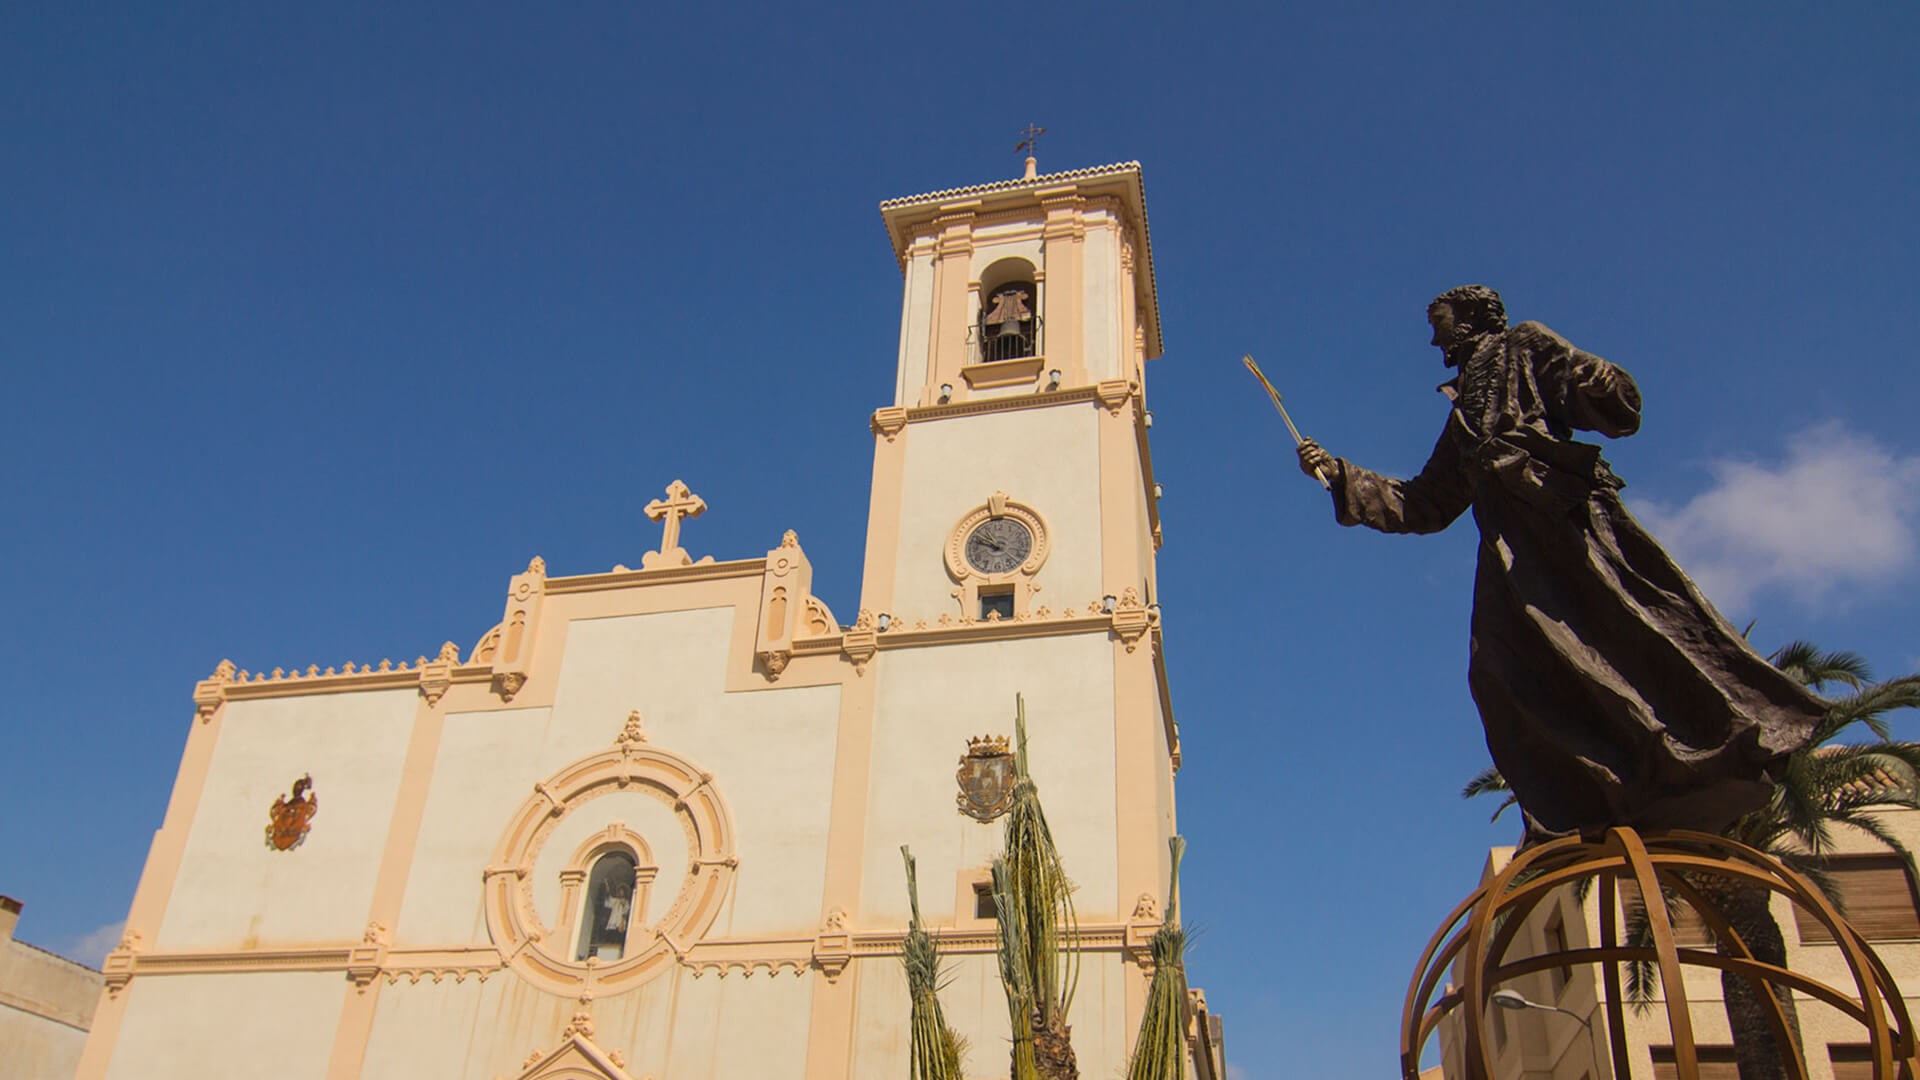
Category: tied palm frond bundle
[1038,932]
[1160,1049]
[936,1051]
[1013,972]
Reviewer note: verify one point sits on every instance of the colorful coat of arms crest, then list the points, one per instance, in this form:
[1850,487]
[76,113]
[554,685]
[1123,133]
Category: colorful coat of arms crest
[986,778]
[290,818]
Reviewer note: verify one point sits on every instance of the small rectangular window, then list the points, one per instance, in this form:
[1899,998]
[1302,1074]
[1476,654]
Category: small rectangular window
[1875,893]
[1851,1061]
[998,602]
[1557,943]
[983,907]
[1716,1063]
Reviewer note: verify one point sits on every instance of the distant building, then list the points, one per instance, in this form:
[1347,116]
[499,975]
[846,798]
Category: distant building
[1877,891]
[46,1006]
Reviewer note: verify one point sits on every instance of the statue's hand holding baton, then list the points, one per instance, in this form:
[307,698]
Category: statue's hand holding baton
[1312,458]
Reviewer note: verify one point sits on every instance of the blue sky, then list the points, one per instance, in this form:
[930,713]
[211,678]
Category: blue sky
[317,323]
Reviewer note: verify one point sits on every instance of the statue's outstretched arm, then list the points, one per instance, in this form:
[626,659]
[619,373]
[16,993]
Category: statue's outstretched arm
[1427,503]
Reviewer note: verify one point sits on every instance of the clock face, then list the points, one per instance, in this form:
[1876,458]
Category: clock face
[998,545]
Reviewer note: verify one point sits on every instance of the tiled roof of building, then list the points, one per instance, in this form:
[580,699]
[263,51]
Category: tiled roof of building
[1116,169]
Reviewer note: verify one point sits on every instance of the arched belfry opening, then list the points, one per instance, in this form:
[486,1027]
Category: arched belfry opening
[1009,321]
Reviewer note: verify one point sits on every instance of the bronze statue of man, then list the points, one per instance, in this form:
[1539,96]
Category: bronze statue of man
[1611,691]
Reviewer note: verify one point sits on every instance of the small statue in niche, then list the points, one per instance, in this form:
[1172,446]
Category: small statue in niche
[289,820]
[619,905]
[609,908]
[1611,691]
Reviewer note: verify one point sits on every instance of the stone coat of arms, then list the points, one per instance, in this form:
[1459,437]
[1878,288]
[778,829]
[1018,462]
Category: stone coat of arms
[986,778]
[289,819]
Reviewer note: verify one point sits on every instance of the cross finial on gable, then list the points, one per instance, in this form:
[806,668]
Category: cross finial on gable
[680,503]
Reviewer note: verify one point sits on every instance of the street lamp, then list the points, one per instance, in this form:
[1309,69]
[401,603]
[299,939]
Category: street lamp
[1511,999]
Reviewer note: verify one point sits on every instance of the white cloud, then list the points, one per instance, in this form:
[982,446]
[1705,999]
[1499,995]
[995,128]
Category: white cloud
[92,948]
[1838,513]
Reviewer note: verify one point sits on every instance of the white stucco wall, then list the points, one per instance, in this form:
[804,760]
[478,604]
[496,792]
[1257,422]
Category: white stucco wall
[235,892]
[725,1029]
[1045,458]
[243,1026]
[771,752]
[479,777]
[35,1048]
[929,702]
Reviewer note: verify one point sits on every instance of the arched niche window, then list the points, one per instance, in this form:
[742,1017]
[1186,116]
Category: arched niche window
[1008,326]
[608,907]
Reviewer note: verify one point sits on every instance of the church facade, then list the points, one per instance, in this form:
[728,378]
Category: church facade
[649,825]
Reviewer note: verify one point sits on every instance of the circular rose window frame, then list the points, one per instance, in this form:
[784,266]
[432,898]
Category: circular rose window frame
[1020,578]
[541,955]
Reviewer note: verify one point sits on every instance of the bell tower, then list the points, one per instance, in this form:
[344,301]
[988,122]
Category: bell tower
[1027,318]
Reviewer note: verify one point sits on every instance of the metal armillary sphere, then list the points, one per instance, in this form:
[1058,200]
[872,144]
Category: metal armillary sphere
[1478,932]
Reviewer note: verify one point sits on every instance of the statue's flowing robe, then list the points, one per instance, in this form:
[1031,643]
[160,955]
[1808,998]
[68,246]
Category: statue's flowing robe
[1611,691]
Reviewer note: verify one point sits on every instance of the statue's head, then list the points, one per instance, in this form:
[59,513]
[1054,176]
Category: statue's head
[1476,309]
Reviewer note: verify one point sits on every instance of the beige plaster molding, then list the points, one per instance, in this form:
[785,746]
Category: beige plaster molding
[820,621]
[546,959]
[992,374]
[1013,403]
[436,675]
[1131,618]
[577,1056]
[1115,393]
[860,641]
[627,579]
[832,946]
[210,693]
[889,422]
[511,658]
[785,588]
[828,951]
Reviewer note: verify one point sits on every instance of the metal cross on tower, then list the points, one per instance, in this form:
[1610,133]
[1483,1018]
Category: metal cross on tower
[1031,144]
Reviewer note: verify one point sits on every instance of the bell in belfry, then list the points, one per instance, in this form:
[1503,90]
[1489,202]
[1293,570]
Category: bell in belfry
[1007,333]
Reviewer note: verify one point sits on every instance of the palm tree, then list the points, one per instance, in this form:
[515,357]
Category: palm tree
[1824,785]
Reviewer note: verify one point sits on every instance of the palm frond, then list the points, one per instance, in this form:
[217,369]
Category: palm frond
[1160,1047]
[1813,668]
[935,1052]
[1643,976]
[1485,782]
[1869,705]
[1008,948]
[1488,781]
